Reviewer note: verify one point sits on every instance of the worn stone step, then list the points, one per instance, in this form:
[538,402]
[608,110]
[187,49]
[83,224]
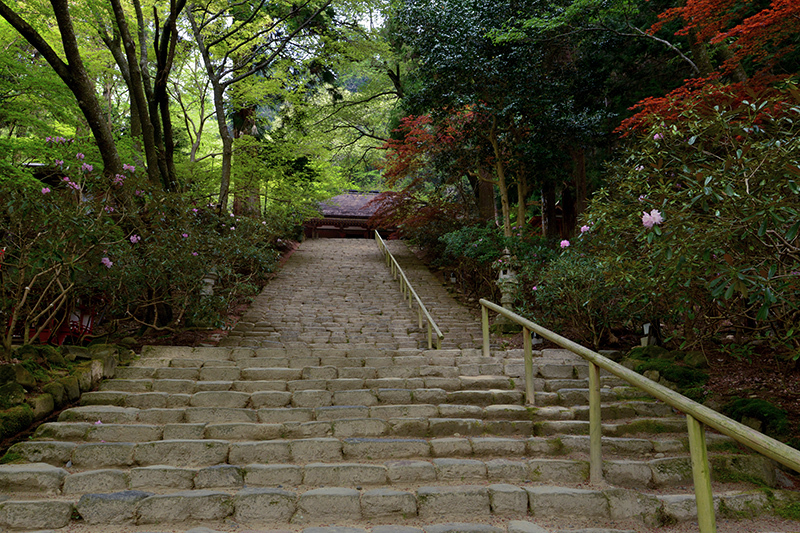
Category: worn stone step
[41,478]
[253,380]
[209,452]
[429,504]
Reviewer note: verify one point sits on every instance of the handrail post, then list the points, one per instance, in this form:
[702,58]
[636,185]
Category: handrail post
[430,342]
[485,327]
[595,427]
[702,476]
[529,392]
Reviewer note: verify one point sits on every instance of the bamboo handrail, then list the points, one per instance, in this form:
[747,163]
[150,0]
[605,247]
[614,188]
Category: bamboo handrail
[408,292]
[696,414]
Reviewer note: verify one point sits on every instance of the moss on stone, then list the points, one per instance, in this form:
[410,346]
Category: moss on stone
[15,419]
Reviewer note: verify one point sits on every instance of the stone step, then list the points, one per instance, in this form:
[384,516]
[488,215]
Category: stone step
[399,420]
[168,393]
[209,452]
[427,504]
[41,478]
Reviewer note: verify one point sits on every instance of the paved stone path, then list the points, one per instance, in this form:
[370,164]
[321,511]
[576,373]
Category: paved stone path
[323,412]
[339,291]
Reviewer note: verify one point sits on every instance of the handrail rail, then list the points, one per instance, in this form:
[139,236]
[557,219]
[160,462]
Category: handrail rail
[695,413]
[408,291]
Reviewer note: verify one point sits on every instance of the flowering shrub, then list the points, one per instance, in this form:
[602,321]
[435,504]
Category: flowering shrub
[113,244]
[703,215]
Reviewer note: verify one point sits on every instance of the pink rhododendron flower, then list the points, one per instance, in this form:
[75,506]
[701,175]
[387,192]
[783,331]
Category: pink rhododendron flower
[194,253]
[98,423]
[45,190]
[108,209]
[86,167]
[128,168]
[79,156]
[135,239]
[184,235]
[651,219]
[59,162]
[657,137]
[565,243]
[535,288]
[107,262]
[584,229]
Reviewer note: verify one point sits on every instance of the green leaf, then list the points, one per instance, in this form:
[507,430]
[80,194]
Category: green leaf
[729,292]
[763,228]
[763,312]
[792,233]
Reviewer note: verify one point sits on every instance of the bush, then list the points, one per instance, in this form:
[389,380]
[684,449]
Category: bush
[703,215]
[118,247]
[774,420]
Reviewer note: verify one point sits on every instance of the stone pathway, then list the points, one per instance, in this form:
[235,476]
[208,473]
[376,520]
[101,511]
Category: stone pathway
[335,292]
[323,413]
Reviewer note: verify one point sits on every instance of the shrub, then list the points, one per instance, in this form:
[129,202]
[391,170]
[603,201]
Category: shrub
[117,246]
[703,214]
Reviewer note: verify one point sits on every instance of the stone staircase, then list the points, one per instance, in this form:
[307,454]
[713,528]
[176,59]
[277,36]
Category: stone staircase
[274,433]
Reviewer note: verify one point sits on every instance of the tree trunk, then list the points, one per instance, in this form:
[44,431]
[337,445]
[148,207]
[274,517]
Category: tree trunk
[73,74]
[700,53]
[549,225]
[579,175]
[569,212]
[522,195]
[501,179]
[138,95]
[487,209]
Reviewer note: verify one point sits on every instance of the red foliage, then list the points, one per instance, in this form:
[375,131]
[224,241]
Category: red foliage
[761,37]
[422,140]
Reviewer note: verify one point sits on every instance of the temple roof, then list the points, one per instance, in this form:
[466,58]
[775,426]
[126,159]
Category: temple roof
[350,204]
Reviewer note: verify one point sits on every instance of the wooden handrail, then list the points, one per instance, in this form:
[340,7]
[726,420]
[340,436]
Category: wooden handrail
[696,414]
[409,292]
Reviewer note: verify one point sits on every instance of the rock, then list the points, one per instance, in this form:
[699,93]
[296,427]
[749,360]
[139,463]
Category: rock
[614,355]
[652,375]
[11,394]
[14,420]
[114,508]
[127,342]
[24,377]
[109,360]
[77,352]
[696,360]
[56,390]
[71,387]
[42,405]
[53,355]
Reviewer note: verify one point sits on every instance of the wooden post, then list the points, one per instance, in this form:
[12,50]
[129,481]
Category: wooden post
[430,342]
[702,476]
[595,427]
[485,324]
[529,392]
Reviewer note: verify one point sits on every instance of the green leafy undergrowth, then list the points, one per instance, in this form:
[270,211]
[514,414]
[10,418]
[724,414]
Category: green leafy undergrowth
[774,420]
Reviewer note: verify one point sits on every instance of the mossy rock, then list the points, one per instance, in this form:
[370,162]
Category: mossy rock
[56,390]
[15,420]
[774,420]
[26,352]
[648,352]
[103,350]
[11,394]
[684,378]
[696,360]
[53,356]
[674,355]
[128,342]
[71,387]
[23,376]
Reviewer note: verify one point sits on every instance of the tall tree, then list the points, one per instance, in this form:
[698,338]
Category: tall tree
[72,72]
[239,40]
